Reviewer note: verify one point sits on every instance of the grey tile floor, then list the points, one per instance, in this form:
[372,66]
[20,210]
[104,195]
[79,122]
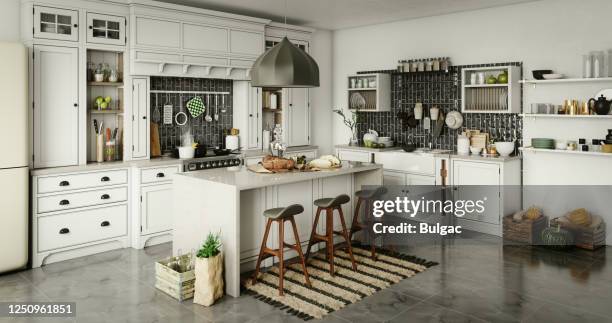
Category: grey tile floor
[478,280]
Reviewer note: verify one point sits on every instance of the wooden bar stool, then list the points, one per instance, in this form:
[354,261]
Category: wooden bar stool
[329,205]
[280,215]
[367,197]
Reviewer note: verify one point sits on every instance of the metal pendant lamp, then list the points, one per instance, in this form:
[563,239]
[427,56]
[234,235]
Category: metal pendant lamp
[285,65]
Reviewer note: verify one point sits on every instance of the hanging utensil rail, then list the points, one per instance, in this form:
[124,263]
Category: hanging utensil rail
[189,92]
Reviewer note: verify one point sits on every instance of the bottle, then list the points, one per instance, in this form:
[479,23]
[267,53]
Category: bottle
[436,64]
[406,66]
[587,69]
[400,66]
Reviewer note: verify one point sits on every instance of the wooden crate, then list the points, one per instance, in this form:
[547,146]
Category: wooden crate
[584,237]
[171,281]
[526,231]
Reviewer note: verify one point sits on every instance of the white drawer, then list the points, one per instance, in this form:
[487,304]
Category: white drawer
[358,156]
[75,200]
[159,174]
[78,227]
[407,162]
[75,181]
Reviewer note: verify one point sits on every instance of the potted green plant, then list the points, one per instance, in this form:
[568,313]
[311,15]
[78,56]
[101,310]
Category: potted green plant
[209,271]
[351,123]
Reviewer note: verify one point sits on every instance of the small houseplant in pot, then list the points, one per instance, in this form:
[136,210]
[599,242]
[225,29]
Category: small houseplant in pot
[351,123]
[209,271]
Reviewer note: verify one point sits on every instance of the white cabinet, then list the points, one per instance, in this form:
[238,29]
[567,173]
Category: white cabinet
[78,214]
[205,38]
[476,96]
[152,213]
[156,209]
[56,106]
[140,118]
[247,114]
[157,33]
[297,125]
[420,180]
[105,29]
[55,23]
[495,182]
[392,178]
[246,42]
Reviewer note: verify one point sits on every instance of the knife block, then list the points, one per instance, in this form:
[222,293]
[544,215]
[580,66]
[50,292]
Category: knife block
[99,148]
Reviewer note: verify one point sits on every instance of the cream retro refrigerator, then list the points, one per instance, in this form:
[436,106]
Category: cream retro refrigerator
[14,175]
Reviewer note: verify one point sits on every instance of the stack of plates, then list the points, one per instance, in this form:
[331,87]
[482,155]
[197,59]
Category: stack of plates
[543,143]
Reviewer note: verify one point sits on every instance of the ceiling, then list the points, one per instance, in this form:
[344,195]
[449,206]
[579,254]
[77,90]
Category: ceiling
[338,14]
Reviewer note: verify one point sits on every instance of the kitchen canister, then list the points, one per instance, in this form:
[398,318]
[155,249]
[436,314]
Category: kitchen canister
[232,142]
[266,138]
[434,112]
[99,148]
[463,145]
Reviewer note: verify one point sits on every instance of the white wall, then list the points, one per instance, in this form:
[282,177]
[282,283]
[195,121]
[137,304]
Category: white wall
[321,97]
[550,34]
[9,20]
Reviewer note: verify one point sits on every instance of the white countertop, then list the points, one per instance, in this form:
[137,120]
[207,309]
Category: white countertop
[155,162]
[261,152]
[483,158]
[367,149]
[244,179]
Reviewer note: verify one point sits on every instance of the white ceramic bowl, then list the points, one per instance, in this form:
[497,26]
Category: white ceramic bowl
[186,152]
[475,150]
[504,148]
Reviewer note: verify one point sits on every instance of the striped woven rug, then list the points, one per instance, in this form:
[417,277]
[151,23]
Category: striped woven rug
[328,293]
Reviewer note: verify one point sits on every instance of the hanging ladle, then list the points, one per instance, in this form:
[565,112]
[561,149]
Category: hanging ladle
[208,118]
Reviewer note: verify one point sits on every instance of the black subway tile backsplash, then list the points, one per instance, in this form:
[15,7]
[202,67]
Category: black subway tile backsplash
[444,90]
[208,133]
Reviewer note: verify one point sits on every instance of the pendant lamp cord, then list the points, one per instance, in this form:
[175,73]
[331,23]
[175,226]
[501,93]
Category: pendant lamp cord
[286,12]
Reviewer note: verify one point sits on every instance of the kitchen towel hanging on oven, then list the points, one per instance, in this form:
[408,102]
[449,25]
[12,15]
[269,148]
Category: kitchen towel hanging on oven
[196,106]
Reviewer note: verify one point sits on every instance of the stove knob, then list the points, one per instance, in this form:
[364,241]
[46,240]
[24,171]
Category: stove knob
[214,164]
[236,162]
[225,163]
[201,166]
[192,167]
[207,165]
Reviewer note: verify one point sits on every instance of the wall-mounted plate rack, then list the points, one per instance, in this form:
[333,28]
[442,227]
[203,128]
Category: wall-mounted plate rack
[481,97]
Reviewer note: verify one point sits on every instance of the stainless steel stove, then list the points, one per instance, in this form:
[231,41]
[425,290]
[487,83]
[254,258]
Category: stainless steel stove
[211,162]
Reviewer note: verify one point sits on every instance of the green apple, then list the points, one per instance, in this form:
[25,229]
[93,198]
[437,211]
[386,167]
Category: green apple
[99,100]
[502,78]
[103,105]
[491,80]
[108,99]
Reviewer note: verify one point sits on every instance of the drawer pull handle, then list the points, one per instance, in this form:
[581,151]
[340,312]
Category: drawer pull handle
[105,224]
[105,197]
[105,179]
[160,175]
[64,202]
[64,183]
[64,231]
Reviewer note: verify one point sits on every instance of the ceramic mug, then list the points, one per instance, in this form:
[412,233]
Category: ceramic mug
[481,78]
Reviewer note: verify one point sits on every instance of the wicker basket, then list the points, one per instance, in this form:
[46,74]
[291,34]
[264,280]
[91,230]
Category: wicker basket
[173,281]
[525,231]
[589,238]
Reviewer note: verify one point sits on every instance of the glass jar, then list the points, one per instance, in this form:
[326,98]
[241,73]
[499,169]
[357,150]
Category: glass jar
[587,66]
[406,66]
[109,150]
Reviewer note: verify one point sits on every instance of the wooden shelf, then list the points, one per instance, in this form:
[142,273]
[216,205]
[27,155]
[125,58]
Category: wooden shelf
[362,89]
[272,110]
[567,152]
[571,80]
[486,85]
[566,116]
[106,111]
[115,84]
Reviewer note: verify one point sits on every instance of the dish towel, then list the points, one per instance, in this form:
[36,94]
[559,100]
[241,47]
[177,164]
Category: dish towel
[196,107]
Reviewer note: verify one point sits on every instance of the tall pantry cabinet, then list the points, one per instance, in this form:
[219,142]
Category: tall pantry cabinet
[65,41]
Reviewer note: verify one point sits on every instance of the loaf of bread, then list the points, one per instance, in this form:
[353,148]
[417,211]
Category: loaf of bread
[276,163]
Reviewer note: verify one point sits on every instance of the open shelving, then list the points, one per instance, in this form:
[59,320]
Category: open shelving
[566,116]
[369,92]
[112,116]
[490,98]
[568,80]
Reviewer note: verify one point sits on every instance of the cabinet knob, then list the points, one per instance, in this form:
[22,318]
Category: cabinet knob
[64,231]
[76,105]
[104,179]
[90,27]
[251,115]
[64,183]
[64,202]
[160,175]
[104,224]
[105,197]
[144,117]
[76,26]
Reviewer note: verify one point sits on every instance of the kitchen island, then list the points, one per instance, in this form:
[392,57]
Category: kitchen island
[232,200]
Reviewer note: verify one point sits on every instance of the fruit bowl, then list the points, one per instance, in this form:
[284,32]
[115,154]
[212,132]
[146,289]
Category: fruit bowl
[504,148]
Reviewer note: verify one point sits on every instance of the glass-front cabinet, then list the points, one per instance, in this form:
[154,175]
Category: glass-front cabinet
[54,23]
[105,29]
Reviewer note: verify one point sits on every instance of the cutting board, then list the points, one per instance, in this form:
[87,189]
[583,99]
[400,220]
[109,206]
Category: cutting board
[155,145]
